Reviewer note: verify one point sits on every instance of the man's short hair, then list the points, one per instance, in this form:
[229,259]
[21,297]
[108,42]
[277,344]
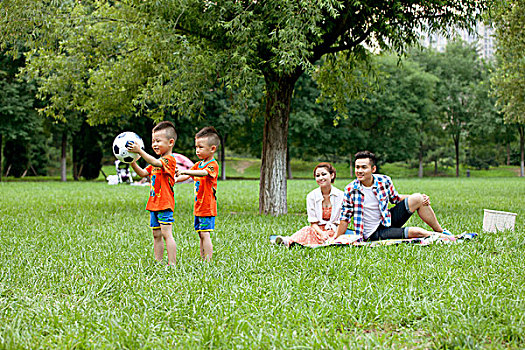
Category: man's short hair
[169,127]
[211,135]
[366,154]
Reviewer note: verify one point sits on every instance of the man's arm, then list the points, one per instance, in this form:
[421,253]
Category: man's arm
[393,196]
[341,229]
[347,211]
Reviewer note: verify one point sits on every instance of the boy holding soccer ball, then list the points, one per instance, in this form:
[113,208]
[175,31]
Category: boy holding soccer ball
[161,202]
[204,174]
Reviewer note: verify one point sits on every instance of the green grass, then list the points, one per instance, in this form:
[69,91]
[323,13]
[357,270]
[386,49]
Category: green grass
[403,170]
[250,169]
[76,271]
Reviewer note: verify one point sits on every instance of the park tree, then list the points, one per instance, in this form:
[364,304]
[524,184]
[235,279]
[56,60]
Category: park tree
[459,70]
[488,137]
[18,118]
[110,57]
[226,114]
[401,111]
[509,76]
[312,133]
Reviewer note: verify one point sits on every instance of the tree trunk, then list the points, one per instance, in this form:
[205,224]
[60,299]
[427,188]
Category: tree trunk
[435,167]
[289,175]
[420,170]
[508,153]
[76,175]
[272,187]
[223,157]
[456,145]
[63,157]
[521,129]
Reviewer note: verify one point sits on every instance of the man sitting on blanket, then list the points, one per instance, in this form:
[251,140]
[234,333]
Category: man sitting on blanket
[366,200]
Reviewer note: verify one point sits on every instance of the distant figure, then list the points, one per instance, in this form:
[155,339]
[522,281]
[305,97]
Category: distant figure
[123,173]
[183,163]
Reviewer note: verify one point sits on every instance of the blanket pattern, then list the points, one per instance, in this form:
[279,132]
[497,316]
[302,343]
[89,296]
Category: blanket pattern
[353,240]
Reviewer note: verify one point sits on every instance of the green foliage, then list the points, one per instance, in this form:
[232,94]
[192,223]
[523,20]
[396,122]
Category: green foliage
[112,58]
[18,119]
[460,72]
[80,274]
[509,75]
[21,128]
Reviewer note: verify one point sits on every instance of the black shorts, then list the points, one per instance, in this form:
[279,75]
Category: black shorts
[399,215]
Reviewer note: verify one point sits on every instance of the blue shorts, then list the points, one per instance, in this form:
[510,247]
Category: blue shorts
[204,223]
[163,217]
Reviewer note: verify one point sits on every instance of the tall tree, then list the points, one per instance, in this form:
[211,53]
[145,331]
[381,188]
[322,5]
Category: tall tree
[18,118]
[459,70]
[509,77]
[123,55]
[488,136]
[225,114]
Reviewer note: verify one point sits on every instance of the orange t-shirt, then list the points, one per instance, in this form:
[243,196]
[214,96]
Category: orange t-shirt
[206,188]
[161,195]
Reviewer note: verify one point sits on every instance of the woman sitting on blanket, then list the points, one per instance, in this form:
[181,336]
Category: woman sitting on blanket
[323,206]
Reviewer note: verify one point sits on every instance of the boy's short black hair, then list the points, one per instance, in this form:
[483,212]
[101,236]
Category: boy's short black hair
[169,127]
[210,134]
[366,154]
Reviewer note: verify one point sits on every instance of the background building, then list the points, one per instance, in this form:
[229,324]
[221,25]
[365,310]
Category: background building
[482,36]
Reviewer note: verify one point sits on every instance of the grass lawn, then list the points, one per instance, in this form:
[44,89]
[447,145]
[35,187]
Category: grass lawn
[250,168]
[239,168]
[77,271]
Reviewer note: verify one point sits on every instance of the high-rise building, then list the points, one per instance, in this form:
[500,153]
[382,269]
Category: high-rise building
[482,36]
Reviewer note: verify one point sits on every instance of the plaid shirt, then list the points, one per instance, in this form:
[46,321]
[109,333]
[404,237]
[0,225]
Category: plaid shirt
[354,197]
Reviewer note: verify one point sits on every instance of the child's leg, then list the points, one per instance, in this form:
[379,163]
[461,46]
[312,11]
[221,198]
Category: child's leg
[158,245]
[206,246]
[171,247]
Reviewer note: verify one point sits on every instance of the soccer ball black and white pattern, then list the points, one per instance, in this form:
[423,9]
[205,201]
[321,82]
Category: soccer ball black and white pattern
[119,146]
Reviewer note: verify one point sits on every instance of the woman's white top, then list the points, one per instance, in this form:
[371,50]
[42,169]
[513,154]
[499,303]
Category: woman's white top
[314,207]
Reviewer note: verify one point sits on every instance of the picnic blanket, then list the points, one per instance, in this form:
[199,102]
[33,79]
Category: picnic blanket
[353,240]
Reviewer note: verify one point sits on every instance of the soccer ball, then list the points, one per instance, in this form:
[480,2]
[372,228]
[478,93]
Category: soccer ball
[119,146]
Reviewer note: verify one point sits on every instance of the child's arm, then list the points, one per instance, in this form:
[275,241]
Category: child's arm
[135,148]
[181,178]
[193,172]
[184,175]
[140,172]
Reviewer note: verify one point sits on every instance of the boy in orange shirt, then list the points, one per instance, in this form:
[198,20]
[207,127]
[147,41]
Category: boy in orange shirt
[204,174]
[161,202]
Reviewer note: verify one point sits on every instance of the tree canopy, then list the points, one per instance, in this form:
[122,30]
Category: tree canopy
[108,58]
[509,77]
